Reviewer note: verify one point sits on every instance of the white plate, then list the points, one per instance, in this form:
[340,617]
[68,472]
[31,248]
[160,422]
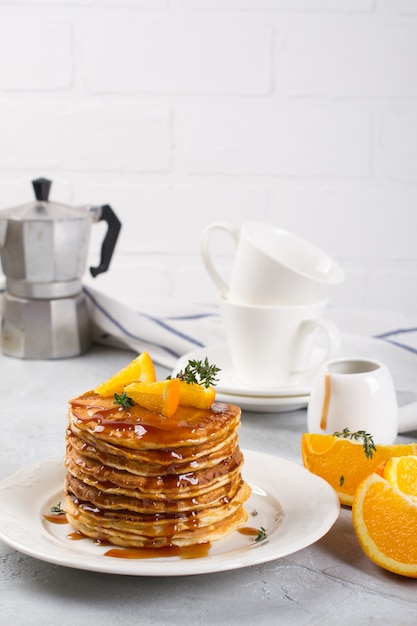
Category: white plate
[228,384]
[265,405]
[295,507]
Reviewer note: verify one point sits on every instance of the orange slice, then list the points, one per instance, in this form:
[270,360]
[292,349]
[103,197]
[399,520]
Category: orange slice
[343,463]
[193,394]
[160,397]
[401,472]
[385,516]
[140,369]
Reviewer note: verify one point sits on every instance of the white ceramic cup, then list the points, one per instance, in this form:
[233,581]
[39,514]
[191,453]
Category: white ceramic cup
[354,393]
[271,266]
[271,347]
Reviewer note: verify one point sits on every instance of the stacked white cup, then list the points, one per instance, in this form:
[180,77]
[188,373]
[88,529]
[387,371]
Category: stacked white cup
[273,309]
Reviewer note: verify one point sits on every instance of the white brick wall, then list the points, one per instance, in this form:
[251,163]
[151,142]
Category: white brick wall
[269,139]
[183,112]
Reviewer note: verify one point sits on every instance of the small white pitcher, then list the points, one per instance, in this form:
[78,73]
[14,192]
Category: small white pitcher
[357,394]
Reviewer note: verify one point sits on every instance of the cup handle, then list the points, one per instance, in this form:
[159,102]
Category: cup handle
[334,340]
[205,252]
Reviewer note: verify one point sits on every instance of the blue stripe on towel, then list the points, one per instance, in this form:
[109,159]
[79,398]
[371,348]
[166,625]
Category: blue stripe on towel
[172,330]
[400,331]
[124,330]
[157,321]
[193,316]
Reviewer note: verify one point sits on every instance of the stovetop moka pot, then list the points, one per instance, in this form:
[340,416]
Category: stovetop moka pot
[43,250]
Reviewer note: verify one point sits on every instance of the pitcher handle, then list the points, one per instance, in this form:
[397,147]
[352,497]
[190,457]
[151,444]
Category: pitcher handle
[206,256]
[109,242]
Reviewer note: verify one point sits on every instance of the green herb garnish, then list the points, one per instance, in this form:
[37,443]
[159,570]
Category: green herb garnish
[368,442]
[261,534]
[341,480]
[123,399]
[200,372]
[56,509]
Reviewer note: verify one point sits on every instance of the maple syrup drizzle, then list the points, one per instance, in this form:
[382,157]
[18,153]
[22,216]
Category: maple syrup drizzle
[143,424]
[248,531]
[60,518]
[196,551]
[76,536]
[326,401]
[187,552]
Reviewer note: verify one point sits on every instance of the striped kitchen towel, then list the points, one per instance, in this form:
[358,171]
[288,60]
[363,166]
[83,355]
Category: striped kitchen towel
[166,329]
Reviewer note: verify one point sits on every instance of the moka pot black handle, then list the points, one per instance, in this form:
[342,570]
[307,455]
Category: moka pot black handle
[110,239]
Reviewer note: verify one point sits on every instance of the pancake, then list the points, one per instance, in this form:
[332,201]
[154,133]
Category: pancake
[138,479]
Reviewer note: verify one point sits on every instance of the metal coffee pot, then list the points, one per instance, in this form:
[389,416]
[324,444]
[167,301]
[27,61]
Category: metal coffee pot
[43,250]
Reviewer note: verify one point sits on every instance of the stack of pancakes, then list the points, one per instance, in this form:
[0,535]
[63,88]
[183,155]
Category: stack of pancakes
[138,479]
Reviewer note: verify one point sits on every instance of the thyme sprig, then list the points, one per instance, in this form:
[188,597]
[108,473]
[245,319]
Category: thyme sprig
[200,372]
[57,509]
[367,440]
[123,399]
[261,535]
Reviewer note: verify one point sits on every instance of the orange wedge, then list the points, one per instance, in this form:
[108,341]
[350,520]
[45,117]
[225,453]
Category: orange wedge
[160,397]
[384,515]
[343,463]
[140,369]
[193,394]
[401,472]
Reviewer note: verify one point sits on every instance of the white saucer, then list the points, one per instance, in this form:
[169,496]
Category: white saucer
[265,405]
[230,390]
[229,385]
